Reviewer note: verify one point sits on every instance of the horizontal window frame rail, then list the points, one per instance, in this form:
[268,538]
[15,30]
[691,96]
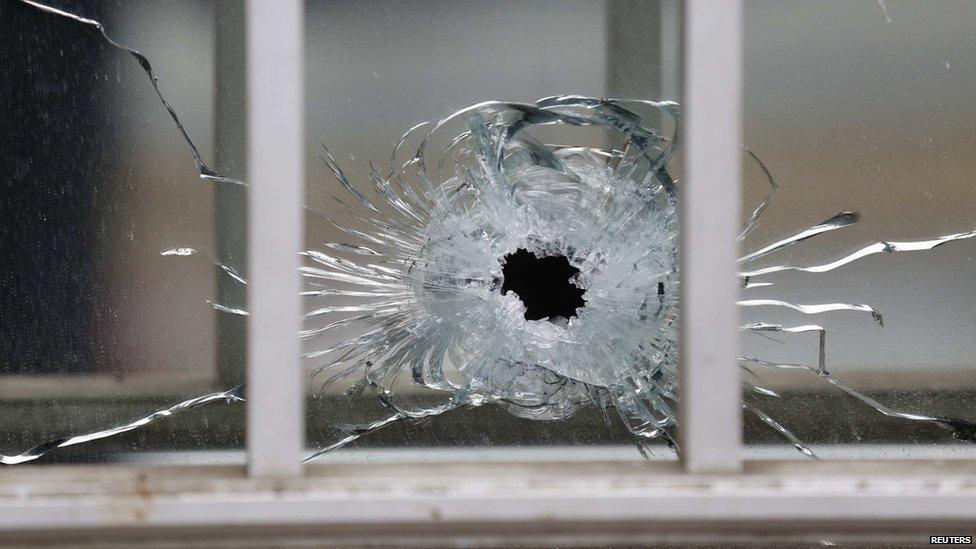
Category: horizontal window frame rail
[775,500]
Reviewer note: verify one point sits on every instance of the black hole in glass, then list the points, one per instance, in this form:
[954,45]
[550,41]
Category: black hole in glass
[542,284]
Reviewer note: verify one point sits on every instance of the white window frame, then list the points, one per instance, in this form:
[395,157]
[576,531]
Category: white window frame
[710,495]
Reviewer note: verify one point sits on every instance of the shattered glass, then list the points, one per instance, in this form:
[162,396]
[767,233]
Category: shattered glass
[538,48]
[510,262]
[477,194]
[774,304]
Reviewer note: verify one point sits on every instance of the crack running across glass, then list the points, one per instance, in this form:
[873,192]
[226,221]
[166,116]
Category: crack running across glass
[485,266]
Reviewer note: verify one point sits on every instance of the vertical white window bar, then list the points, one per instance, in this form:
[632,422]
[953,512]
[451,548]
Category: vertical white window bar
[710,412]
[275,172]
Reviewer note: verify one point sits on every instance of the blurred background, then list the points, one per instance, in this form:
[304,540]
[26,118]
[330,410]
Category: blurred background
[853,105]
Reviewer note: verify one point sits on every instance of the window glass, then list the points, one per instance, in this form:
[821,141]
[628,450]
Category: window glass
[446,312]
[100,328]
[514,288]
[863,107]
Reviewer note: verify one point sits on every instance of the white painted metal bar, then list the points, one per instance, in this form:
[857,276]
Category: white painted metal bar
[507,501]
[710,414]
[275,173]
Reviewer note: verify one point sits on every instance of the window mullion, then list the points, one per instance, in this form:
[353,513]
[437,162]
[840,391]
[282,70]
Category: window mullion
[710,414]
[275,168]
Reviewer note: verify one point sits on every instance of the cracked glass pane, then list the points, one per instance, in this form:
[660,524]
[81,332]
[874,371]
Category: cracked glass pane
[102,333]
[152,66]
[467,286]
[863,107]
[491,264]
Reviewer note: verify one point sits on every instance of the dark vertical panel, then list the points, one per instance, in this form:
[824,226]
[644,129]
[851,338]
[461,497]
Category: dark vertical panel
[52,146]
[231,204]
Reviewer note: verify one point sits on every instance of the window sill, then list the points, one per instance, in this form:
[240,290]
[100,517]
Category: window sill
[495,504]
